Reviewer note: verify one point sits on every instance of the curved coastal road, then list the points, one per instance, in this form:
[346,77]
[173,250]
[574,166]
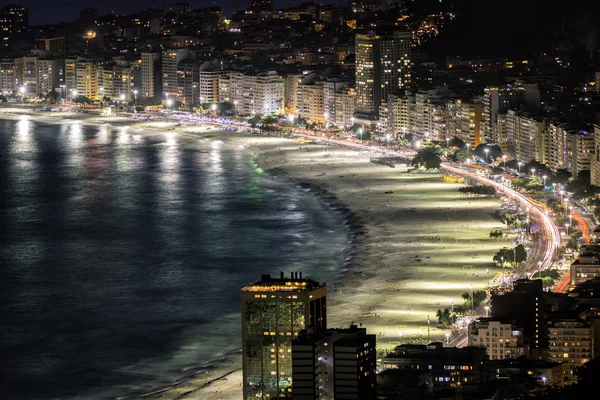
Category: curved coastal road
[551,233]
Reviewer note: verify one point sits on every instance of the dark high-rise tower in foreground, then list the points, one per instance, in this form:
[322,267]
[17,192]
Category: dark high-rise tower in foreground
[274,311]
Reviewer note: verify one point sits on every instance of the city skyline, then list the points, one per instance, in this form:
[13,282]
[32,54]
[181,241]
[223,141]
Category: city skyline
[68,10]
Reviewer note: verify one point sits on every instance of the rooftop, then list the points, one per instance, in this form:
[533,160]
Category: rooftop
[295,283]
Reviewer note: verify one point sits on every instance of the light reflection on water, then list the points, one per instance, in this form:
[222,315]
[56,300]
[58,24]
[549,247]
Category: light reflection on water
[122,254]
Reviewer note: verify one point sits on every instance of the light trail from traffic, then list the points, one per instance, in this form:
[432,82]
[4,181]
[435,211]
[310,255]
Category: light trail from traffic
[551,232]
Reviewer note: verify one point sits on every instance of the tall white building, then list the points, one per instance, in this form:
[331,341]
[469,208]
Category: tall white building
[468,121]
[500,338]
[257,93]
[498,100]
[345,106]
[291,93]
[30,79]
[8,76]
[87,79]
[525,136]
[209,81]
[150,74]
[170,60]
[330,88]
[311,106]
[568,147]
[48,75]
[382,65]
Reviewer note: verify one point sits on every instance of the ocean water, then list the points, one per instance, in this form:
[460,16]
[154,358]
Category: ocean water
[122,254]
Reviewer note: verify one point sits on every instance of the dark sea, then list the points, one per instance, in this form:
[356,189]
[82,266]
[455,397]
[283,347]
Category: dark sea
[122,253]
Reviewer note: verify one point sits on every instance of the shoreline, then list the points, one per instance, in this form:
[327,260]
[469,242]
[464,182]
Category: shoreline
[391,285]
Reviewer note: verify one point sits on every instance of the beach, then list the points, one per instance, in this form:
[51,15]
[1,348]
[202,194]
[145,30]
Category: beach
[419,244]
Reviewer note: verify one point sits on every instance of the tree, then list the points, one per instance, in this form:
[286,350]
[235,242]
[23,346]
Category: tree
[561,176]
[512,256]
[255,120]
[83,99]
[496,234]
[459,155]
[427,157]
[52,96]
[456,142]
[446,318]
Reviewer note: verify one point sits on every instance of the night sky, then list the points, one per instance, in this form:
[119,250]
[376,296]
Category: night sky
[44,11]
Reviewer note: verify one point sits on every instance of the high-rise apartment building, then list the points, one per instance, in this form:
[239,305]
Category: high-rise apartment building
[188,82]
[170,60]
[257,93]
[501,339]
[468,121]
[399,106]
[311,106]
[49,75]
[70,76]
[151,74]
[586,266]
[8,76]
[525,136]
[87,79]
[274,311]
[330,88]
[595,164]
[291,92]
[332,364]
[526,306]
[570,342]
[382,65]
[209,82]
[14,19]
[567,146]
[345,106]
[498,101]
[29,80]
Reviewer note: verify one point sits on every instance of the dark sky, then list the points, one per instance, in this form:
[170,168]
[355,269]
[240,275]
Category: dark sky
[49,11]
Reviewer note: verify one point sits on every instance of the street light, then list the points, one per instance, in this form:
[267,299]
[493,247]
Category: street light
[169,102]
[504,161]
[544,179]
[567,226]
[360,132]
[468,144]
[447,338]
[193,87]
[487,311]
[448,142]
[486,154]
[417,144]
[533,171]
[135,92]
[519,164]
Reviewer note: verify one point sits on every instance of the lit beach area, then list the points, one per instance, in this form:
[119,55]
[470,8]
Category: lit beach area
[419,243]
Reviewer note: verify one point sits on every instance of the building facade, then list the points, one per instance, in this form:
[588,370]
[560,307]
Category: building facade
[570,343]
[334,363]
[274,311]
[257,93]
[382,64]
[500,339]
[150,74]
